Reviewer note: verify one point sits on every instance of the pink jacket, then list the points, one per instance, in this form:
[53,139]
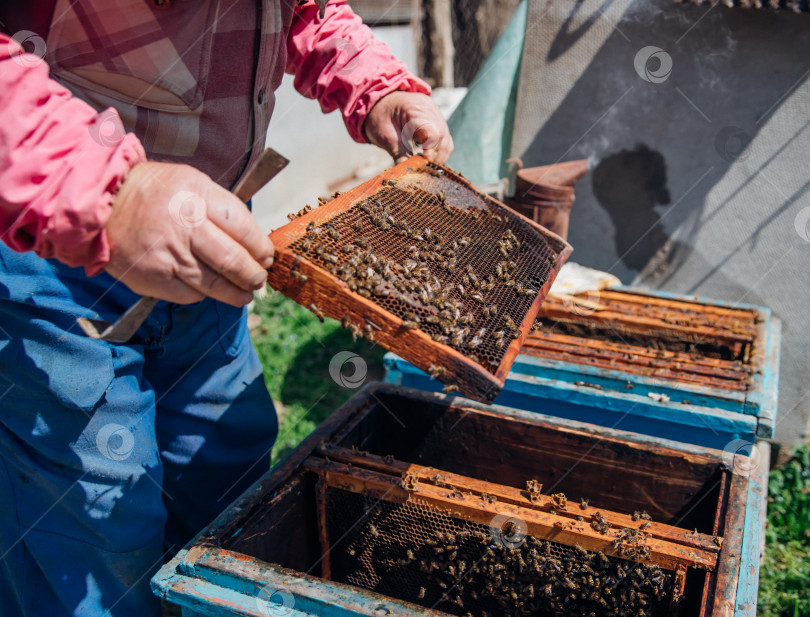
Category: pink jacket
[62,161]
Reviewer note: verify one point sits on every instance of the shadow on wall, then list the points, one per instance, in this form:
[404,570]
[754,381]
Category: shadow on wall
[697,119]
[662,138]
[629,185]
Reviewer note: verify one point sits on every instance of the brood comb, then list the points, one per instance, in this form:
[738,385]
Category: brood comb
[421,262]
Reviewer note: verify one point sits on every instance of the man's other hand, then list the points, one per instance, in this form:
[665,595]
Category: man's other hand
[404,123]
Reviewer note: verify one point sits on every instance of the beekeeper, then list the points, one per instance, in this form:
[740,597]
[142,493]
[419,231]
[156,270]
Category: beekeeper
[124,124]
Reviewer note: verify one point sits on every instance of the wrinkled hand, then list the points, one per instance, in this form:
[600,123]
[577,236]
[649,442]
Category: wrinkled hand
[176,235]
[403,123]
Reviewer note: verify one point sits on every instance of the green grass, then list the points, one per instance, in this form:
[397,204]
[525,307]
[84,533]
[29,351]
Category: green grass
[295,350]
[784,585]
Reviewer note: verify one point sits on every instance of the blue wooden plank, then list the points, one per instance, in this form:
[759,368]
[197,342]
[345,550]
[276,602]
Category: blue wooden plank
[679,392]
[753,532]
[223,583]
[199,598]
[628,411]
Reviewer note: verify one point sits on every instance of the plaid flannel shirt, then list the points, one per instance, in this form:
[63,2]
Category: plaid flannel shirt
[194,81]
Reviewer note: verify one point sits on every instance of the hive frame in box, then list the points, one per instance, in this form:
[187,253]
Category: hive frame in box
[334,298]
[692,413]
[206,579]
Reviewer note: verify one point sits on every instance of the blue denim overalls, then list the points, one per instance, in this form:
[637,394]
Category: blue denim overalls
[111,455]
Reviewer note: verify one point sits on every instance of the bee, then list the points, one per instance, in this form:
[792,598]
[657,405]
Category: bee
[410,324]
[486,312]
[374,531]
[361,241]
[421,594]
[464,241]
[317,312]
[474,342]
[301,278]
[389,182]
[449,389]
[306,244]
[436,371]
[358,226]
[583,504]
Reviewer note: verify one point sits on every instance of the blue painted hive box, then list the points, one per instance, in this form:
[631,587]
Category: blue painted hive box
[407,503]
[677,367]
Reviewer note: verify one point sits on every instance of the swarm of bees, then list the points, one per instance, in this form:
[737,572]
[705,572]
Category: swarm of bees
[467,572]
[462,568]
[432,279]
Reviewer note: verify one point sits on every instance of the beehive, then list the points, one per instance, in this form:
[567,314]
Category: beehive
[427,266]
[679,367]
[351,522]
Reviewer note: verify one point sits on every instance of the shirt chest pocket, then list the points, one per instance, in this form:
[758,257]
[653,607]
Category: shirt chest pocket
[152,65]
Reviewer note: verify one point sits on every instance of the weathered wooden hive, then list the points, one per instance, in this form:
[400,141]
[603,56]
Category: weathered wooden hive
[409,503]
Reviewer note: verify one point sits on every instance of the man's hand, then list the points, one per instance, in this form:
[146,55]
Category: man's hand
[405,122]
[176,235]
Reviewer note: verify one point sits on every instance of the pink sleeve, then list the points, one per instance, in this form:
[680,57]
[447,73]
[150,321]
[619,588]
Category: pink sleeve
[60,164]
[338,61]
